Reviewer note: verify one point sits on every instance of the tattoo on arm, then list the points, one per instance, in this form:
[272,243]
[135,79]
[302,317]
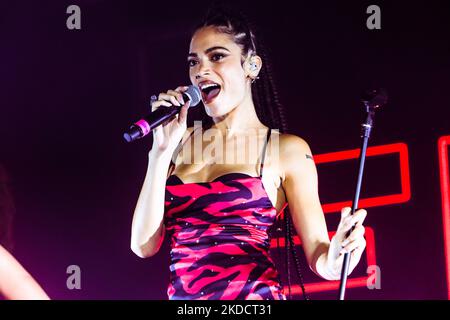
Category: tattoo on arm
[309,157]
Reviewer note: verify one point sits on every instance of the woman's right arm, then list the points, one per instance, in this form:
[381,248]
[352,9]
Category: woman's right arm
[147,231]
[15,282]
[147,227]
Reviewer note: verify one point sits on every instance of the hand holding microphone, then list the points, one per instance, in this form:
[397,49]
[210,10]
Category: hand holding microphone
[170,110]
[167,136]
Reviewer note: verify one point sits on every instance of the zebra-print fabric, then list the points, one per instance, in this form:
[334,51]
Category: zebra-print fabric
[219,240]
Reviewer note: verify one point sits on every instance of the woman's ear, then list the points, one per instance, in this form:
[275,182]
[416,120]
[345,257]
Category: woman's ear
[252,66]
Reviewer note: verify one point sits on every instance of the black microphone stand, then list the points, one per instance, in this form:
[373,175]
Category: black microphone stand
[372,100]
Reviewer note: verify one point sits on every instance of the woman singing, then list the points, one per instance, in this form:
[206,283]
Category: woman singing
[216,211]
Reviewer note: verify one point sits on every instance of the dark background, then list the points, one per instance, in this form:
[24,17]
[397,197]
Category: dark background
[66,96]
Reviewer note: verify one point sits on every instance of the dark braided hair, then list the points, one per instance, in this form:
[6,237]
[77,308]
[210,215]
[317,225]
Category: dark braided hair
[265,96]
[264,93]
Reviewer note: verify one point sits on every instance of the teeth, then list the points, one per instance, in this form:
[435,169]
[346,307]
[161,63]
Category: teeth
[208,85]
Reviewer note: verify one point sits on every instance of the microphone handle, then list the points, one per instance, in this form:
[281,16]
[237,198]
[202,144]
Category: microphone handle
[161,115]
[144,126]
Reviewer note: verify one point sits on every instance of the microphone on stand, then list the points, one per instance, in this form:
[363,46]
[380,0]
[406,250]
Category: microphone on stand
[372,99]
[144,126]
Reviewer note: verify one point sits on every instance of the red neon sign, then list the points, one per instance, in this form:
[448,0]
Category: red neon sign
[443,144]
[334,285]
[403,196]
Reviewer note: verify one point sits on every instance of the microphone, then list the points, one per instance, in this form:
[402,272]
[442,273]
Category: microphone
[143,127]
[375,98]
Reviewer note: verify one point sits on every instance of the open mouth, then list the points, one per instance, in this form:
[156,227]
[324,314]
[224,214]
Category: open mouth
[210,91]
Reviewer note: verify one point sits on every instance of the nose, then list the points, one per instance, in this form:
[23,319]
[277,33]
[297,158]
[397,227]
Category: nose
[203,70]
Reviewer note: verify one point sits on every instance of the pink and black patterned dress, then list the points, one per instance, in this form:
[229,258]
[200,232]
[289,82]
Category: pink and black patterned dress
[219,239]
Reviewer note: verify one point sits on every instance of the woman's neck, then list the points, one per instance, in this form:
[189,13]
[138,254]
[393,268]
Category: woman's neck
[238,120]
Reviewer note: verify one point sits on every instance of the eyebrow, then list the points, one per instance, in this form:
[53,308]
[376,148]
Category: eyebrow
[192,54]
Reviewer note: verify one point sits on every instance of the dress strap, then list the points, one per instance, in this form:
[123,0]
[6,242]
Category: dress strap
[269,131]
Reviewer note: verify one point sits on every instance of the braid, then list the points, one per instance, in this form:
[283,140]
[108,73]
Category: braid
[290,239]
[265,97]
[287,231]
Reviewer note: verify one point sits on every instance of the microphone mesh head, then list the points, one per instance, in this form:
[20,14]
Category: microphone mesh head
[194,94]
[375,97]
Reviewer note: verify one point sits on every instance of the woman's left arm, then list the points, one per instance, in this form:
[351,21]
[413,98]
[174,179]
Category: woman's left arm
[300,184]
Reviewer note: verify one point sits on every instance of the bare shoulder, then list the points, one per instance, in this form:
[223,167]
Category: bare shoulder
[292,147]
[294,153]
